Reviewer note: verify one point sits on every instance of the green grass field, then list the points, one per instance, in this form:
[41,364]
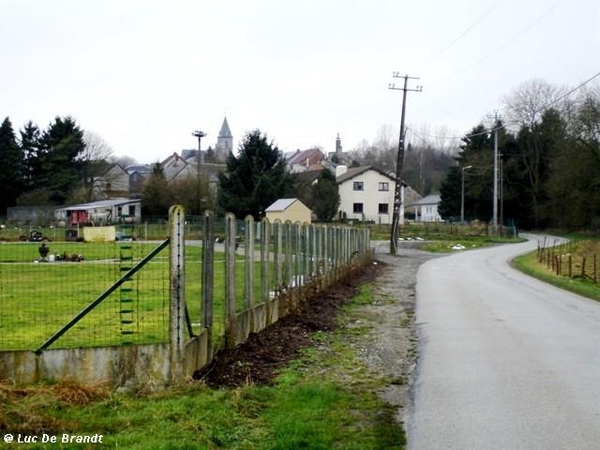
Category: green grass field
[327,399]
[38,298]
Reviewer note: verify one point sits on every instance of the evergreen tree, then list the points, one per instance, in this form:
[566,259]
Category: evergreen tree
[156,195]
[30,145]
[254,179]
[56,165]
[325,198]
[450,195]
[11,169]
[477,152]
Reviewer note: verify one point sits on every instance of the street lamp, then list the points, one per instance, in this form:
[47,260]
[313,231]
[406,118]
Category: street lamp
[462,195]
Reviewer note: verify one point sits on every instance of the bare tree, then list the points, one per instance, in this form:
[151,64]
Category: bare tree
[95,162]
[123,161]
[526,104]
[96,148]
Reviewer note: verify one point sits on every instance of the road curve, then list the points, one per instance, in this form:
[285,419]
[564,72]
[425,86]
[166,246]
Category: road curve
[506,361]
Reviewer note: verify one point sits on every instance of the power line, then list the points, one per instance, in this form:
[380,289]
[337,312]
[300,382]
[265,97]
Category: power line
[502,46]
[505,125]
[473,25]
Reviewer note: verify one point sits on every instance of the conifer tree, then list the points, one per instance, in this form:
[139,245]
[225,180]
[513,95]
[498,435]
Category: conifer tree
[254,179]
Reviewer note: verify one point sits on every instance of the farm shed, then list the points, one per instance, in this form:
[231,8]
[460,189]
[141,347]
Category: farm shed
[290,209]
[103,212]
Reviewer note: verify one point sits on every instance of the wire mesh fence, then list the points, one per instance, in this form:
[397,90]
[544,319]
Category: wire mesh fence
[44,285]
[54,292]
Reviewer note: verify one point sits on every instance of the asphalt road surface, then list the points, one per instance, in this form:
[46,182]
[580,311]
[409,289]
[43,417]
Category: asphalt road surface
[506,361]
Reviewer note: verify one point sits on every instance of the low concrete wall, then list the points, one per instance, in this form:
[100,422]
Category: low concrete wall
[132,366]
[305,260]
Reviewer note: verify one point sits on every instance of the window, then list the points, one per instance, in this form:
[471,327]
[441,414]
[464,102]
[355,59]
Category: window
[384,186]
[357,208]
[358,186]
[383,208]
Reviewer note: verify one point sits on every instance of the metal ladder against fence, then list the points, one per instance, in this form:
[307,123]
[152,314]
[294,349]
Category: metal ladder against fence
[126,294]
[126,291]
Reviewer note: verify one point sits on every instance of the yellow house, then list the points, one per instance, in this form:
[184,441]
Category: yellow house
[289,209]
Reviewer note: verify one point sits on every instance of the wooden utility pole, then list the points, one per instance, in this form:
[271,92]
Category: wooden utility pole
[395,231]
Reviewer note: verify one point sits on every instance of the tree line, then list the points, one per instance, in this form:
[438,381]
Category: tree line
[49,166]
[549,161]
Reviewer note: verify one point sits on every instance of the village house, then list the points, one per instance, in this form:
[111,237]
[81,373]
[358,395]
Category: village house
[367,194]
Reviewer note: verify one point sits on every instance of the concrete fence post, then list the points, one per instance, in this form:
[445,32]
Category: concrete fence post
[208,278]
[306,252]
[265,284]
[287,253]
[277,253]
[230,313]
[298,263]
[249,263]
[312,268]
[177,301]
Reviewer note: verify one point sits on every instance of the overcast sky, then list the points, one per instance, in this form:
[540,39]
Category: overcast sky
[144,75]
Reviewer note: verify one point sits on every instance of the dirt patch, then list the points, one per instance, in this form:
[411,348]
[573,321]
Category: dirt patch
[257,360]
[389,349]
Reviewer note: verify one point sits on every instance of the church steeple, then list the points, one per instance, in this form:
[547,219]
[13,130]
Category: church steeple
[224,142]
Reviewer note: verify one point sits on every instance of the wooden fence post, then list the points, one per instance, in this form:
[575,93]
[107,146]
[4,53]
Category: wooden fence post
[208,278]
[177,301]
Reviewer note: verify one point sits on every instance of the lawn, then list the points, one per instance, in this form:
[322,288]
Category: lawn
[38,298]
[326,399]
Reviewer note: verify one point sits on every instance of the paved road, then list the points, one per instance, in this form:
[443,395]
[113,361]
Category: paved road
[507,362]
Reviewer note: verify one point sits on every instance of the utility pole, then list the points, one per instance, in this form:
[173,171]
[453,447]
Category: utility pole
[395,231]
[462,195]
[495,209]
[199,135]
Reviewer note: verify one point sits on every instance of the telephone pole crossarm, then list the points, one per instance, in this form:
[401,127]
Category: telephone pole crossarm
[395,231]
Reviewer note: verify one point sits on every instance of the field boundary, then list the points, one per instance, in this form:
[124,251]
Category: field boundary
[297,261]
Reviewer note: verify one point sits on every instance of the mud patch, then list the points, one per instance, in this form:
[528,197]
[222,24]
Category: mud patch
[258,360]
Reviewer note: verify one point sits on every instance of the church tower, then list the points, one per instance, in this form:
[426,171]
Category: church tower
[224,142]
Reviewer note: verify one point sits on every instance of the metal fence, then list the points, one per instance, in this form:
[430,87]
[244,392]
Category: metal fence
[45,285]
[570,258]
[90,294]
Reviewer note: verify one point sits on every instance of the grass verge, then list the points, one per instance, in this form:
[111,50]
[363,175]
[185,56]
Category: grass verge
[530,265]
[325,399]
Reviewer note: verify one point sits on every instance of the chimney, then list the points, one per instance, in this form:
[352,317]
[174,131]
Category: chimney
[340,170]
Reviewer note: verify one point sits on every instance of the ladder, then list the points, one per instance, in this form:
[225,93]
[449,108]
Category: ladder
[127,291]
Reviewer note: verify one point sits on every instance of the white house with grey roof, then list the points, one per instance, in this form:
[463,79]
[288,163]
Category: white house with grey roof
[426,209]
[367,194]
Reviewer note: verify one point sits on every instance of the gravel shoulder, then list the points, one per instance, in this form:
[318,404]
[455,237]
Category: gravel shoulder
[381,334]
[391,348]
